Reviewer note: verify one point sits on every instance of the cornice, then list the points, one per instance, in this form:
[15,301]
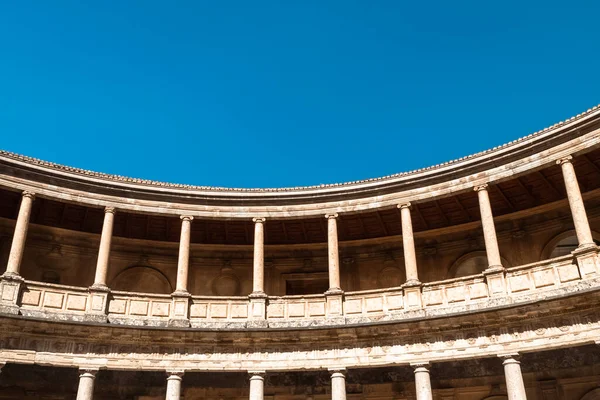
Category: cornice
[575,135]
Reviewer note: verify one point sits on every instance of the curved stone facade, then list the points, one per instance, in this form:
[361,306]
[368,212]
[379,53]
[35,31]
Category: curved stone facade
[462,272]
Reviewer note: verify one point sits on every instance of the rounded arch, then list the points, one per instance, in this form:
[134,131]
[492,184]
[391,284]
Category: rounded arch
[568,239]
[142,279]
[593,394]
[472,263]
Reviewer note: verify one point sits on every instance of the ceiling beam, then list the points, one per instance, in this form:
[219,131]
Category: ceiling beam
[504,198]
[385,229]
[550,184]
[462,207]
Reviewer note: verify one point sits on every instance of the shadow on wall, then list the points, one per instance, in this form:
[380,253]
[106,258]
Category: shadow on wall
[143,279]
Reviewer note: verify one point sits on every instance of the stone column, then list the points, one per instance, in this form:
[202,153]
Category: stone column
[258,276]
[85,390]
[515,387]
[338,384]
[422,381]
[333,254]
[174,385]
[184,255]
[104,251]
[20,235]
[489,230]
[257,385]
[408,244]
[580,220]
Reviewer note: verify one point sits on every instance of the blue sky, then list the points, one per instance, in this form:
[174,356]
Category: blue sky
[284,93]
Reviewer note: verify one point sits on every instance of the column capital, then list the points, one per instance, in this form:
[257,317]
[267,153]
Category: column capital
[331,215]
[110,210]
[29,194]
[257,375]
[89,372]
[421,366]
[337,372]
[175,374]
[480,187]
[405,205]
[509,358]
[564,160]
[260,220]
[186,218]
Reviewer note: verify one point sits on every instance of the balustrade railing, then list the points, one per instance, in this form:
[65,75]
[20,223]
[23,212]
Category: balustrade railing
[60,302]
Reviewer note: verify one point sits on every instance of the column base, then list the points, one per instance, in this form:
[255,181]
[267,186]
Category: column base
[99,287]
[97,310]
[495,280]
[334,291]
[334,302]
[587,259]
[412,295]
[11,285]
[180,309]
[258,310]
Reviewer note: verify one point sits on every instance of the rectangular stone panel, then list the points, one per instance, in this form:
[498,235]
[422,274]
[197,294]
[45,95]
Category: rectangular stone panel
[568,273]
[519,283]
[456,293]
[53,300]
[31,297]
[296,310]
[275,310]
[395,302]
[76,302]
[117,306]
[433,297]
[199,310]
[160,309]
[218,310]
[478,290]
[544,277]
[353,306]
[374,304]
[316,309]
[239,311]
[138,307]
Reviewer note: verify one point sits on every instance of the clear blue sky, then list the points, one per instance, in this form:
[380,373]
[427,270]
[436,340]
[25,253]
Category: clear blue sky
[284,93]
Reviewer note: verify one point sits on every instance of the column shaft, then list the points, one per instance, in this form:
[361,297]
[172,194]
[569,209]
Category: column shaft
[408,244]
[333,253]
[338,384]
[258,277]
[85,390]
[580,220]
[489,230]
[20,235]
[174,385]
[184,254]
[423,382]
[257,385]
[104,250]
[514,379]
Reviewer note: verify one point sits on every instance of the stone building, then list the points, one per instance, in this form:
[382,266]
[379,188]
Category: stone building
[474,279]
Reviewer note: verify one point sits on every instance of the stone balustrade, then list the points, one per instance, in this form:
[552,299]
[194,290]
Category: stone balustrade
[526,283]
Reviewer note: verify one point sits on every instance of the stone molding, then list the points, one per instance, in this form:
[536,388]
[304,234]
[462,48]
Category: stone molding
[547,279]
[576,136]
[565,322]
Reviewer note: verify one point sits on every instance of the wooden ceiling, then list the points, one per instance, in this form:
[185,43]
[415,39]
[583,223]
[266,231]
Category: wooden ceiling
[513,195]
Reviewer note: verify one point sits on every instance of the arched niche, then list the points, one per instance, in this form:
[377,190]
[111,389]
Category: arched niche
[142,279]
[594,394]
[472,263]
[563,244]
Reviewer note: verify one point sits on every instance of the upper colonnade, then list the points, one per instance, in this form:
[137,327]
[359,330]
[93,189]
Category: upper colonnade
[355,328]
